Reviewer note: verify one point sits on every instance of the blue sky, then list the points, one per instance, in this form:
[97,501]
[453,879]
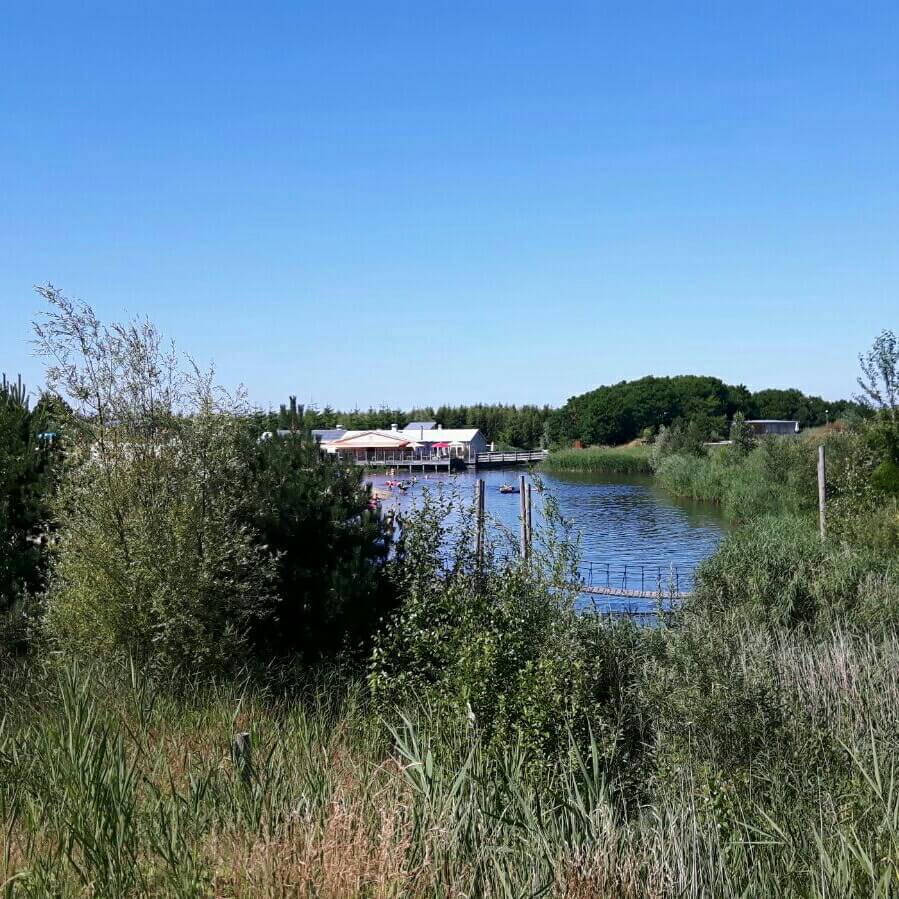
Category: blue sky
[413,203]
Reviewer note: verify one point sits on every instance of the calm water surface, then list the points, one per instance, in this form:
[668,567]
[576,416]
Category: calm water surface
[621,519]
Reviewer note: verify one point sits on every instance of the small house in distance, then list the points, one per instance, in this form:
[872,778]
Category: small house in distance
[762,427]
[413,448]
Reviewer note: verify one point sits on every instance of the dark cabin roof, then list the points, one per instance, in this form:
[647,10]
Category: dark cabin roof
[326,435]
[420,426]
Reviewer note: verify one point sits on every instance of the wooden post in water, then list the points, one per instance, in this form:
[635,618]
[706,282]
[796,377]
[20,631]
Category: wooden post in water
[480,506]
[529,505]
[822,493]
[522,503]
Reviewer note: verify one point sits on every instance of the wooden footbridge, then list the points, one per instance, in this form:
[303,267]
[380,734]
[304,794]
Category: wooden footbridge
[503,460]
[657,581]
[636,580]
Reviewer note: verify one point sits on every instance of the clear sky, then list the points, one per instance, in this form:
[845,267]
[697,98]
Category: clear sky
[413,203]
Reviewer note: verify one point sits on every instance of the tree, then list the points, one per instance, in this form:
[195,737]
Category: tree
[154,558]
[331,547]
[879,380]
[741,435]
[879,383]
[27,465]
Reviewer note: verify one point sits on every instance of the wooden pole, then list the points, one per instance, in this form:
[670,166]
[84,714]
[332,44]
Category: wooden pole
[530,510]
[822,493]
[523,500]
[242,757]
[480,503]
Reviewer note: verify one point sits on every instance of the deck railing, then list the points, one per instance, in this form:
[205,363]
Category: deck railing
[512,458]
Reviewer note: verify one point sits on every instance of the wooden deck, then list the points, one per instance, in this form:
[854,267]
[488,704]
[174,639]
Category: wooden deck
[501,460]
[405,464]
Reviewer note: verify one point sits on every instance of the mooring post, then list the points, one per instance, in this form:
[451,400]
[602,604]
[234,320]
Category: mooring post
[242,757]
[480,506]
[530,510]
[522,503]
[822,493]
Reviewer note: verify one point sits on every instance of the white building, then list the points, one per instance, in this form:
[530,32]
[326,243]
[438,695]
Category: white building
[780,427]
[414,447]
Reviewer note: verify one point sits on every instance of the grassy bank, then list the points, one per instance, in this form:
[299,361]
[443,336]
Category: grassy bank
[601,459]
[776,477]
[770,772]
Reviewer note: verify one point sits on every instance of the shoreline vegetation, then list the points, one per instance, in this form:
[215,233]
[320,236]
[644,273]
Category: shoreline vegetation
[628,459]
[223,674]
[771,474]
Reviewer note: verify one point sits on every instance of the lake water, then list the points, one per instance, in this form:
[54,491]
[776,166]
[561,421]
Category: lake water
[632,532]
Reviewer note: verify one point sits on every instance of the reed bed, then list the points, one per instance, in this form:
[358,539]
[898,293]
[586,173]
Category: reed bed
[114,786]
[601,459]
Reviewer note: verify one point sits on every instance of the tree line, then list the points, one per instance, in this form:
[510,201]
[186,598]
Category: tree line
[608,415]
[509,426]
[621,412]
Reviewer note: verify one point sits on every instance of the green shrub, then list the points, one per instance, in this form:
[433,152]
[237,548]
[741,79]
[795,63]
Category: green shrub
[778,572]
[885,478]
[153,559]
[870,523]
[776,475]
[716,709]
[503,645]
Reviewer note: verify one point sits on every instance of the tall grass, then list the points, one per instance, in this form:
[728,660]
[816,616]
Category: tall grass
[776,571]
[601,459]
[777,477]
[116,787]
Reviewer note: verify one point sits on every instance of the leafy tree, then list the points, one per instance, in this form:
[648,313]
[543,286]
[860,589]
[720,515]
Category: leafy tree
[620,412]
[154,559]
[879,380]
[879,383]
[520,427]
[741,434]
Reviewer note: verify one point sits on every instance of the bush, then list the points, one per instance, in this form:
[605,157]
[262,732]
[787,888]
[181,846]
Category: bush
[777,475]
[503,646]
[779,573]
[885,478]
[154,559]
[714,704]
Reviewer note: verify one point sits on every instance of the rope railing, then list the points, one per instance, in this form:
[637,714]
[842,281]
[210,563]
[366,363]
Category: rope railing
[637,579]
